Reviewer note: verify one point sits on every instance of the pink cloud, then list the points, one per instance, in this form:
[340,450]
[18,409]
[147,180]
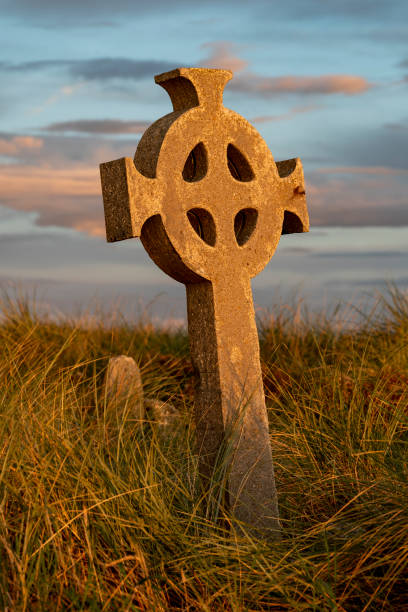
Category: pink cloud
[68,197]
[99,126]
[16,145]
[325,84]
[221,56]
[19,180]
[285,116]
[93,227]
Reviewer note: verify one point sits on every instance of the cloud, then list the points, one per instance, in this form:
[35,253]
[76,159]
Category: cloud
[267,87]
[289,115]
[375,170]
[359,254]
[352,9]
[105,68]
[78,11]
[59,180]
[98,69]
[85,13]
[34,65]
[14,146]
[68,197]
[369,146]
[397,126]
[99,126]
[365,198]
[66,150]
[17,179]
[221,56]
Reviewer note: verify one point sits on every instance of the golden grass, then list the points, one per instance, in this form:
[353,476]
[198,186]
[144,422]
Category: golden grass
[100,512]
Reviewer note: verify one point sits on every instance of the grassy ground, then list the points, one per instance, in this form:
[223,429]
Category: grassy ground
[101,512]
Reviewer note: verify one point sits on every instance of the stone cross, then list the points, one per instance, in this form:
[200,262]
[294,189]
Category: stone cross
[210,204]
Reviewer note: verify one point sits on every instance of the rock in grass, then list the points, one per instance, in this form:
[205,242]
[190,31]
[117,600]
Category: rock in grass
[162,413]
[123,385]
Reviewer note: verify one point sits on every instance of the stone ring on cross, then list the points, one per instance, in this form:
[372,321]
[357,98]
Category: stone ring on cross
[210,204]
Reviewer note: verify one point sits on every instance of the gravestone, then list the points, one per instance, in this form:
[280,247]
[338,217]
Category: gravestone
[123,385]
[210,204]
[124,390]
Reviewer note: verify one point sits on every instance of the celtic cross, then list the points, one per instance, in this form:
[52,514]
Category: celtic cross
[210,204]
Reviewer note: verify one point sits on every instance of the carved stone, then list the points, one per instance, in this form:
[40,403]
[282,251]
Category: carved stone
[210,204]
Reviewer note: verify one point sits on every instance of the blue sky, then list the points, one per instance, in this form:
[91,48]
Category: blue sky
[324,81]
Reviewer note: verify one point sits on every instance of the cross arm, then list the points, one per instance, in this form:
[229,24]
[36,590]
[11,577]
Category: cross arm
[296,218]
[129,199]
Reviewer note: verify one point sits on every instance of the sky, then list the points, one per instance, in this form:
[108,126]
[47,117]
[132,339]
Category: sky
[326,81]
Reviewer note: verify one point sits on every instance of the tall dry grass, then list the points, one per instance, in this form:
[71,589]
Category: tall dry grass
[99,511]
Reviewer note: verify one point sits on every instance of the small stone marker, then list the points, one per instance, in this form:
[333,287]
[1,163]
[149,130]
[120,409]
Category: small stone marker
[210,204]
[123,384]
[123,387]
